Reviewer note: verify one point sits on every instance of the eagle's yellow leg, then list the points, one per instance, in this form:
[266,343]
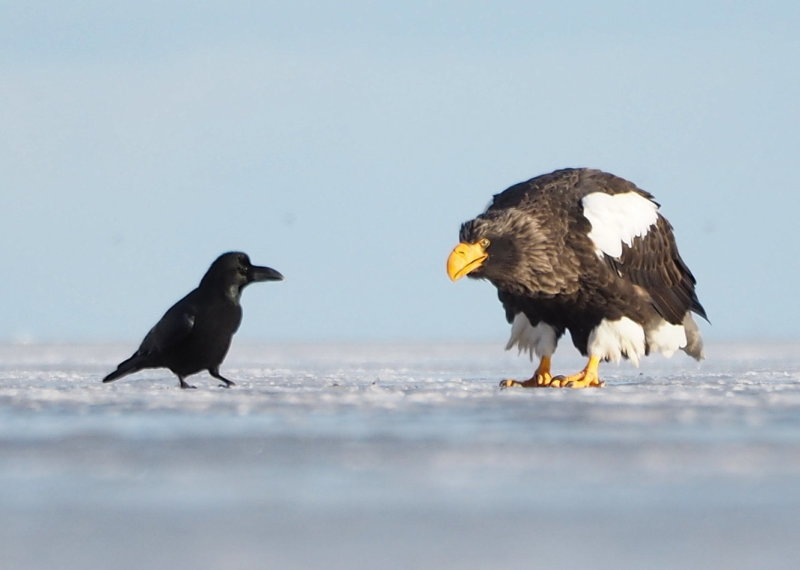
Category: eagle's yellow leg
[541,377]
[586,378]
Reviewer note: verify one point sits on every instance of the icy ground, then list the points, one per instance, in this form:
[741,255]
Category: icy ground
[399,456]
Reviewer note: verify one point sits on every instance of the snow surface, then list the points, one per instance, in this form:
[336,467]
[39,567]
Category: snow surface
[399,456]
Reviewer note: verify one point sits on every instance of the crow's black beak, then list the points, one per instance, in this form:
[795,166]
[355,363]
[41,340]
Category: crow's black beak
[257,273]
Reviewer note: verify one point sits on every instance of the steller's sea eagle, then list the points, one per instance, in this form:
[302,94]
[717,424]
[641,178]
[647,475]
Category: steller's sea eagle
[585,251]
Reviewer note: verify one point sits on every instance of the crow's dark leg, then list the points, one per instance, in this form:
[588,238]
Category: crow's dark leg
[215,373]
[183,384]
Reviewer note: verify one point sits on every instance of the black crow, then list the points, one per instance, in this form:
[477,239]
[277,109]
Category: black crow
[585,251]
[196,332]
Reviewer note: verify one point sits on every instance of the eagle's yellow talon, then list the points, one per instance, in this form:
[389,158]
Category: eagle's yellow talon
[542,378]
[581,380]
[538,381]
[584,379]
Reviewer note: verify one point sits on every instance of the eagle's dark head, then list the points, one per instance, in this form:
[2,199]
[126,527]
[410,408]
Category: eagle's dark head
[502,246]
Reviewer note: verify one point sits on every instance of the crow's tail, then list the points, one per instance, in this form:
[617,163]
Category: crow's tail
[133,364]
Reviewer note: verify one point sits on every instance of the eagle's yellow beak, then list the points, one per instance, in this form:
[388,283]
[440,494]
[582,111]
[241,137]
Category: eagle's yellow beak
[465,258]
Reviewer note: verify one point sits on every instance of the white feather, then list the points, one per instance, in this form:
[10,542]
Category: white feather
[540,339]
[617,219]
[611,340]
[664,337]
[694,342]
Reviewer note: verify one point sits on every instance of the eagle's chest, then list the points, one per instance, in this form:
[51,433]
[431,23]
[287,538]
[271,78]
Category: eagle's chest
[585,307]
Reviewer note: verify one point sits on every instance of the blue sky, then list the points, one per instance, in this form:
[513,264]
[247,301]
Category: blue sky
[343,143]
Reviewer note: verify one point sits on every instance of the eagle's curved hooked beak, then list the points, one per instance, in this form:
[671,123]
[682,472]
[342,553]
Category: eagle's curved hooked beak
[464,259]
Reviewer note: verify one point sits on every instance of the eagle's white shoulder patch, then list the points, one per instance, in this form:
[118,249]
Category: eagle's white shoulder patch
[540,339]
[617,219]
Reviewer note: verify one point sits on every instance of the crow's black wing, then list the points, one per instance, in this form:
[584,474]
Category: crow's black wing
[172,329]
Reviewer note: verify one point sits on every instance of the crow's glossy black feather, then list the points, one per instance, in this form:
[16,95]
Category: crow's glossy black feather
[196,332]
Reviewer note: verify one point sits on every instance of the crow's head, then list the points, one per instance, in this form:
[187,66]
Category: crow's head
[231,272]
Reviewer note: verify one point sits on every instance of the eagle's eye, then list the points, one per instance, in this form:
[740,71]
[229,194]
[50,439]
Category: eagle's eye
[484,243]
